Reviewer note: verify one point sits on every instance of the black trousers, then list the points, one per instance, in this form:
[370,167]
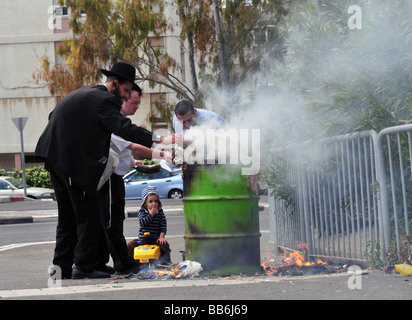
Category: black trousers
[78,224]
[112,213]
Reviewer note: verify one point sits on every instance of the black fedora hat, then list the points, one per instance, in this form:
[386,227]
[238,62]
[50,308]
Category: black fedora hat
[122,71]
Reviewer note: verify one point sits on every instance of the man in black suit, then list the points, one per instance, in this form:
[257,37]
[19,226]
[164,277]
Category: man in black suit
[75,147]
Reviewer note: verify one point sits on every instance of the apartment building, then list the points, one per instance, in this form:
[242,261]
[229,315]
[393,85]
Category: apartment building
[30,30]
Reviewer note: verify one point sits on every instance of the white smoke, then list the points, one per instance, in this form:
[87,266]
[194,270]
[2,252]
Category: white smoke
[295,108]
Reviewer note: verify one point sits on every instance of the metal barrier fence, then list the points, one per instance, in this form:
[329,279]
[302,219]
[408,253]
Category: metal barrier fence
[340,193]
[394,160]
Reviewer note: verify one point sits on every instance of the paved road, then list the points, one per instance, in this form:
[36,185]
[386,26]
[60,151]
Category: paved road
[24,265]
[44,228]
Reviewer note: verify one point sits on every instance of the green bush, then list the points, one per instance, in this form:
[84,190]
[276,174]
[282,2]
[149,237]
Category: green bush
[35,176]
[40,177]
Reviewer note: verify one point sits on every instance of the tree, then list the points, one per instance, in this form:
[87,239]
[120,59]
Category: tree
[223,59]
[230,40]
[351,79]
[248,36]
[108,31]
[192,15]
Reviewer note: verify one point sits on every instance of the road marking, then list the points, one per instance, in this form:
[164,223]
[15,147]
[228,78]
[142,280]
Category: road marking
[22,245]
[29,244]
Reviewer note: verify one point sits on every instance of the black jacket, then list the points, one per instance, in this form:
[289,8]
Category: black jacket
[77,137]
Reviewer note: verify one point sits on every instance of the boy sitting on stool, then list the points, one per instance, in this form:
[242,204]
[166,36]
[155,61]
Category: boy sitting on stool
[152,220]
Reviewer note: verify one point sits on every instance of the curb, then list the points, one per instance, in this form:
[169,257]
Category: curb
[134,212]
[53,217]
[16,220]
[13,199]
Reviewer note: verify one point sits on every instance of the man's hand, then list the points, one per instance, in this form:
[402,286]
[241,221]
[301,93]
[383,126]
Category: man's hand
[168,157]
[174,139]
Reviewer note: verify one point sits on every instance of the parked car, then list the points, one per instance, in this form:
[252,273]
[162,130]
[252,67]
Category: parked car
[10,186]
[169,186]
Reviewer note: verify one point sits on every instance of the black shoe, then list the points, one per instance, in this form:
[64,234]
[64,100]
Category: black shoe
[79,274]
[66,273]
[104,268]
[133,269]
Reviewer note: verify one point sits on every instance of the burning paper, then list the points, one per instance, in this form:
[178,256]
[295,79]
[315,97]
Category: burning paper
[294,264]
[188,269]
[185,269]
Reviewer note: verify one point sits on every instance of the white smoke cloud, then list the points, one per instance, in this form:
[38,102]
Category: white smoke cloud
[284,113]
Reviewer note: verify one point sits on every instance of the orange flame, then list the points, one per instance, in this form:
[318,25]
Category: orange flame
[268,268]
[295,258]
[173,272]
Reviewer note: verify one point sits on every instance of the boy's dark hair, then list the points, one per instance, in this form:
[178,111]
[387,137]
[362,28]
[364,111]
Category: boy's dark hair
[183,107]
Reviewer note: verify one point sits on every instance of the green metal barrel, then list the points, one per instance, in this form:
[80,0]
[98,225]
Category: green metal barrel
[221,219]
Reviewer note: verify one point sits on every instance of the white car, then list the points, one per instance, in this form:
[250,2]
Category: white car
[13,187]
[168,186]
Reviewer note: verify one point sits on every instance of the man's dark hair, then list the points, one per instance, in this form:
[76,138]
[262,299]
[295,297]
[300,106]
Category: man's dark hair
[138,90]
[183,107]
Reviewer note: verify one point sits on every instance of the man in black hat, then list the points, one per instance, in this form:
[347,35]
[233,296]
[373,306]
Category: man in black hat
[75,147]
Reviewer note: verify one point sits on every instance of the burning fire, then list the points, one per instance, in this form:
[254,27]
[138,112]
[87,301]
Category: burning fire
[172,273]
[295,258]
[183,269]
[268,268]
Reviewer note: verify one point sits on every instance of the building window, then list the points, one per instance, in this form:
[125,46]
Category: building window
[60,11]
